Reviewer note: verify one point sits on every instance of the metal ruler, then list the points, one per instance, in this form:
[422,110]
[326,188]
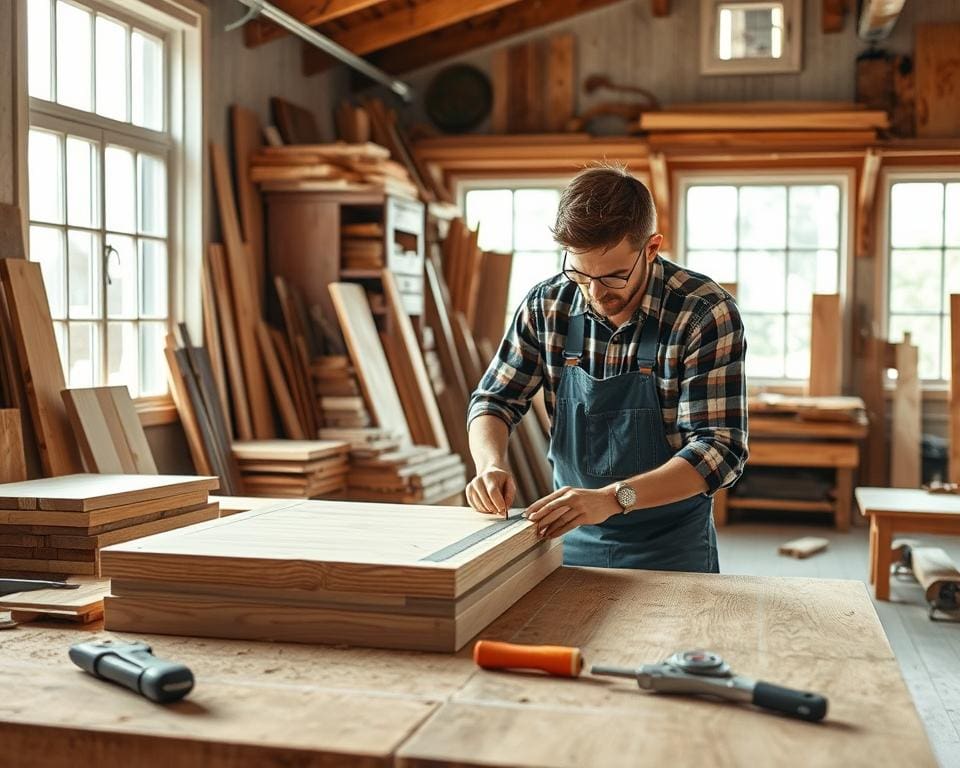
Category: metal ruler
[514,516]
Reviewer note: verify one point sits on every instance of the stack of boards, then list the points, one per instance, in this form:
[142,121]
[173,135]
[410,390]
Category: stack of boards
[382,468]
[377,575]
[58,525]
[339,400]
[362,246]
[293,468]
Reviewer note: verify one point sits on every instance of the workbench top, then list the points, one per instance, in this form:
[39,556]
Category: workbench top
[269,704]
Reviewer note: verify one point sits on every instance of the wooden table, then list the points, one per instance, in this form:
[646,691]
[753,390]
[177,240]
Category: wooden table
[783,442]
[263,704]
[902,510]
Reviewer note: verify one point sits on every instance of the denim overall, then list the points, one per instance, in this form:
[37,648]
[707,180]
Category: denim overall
[606,430]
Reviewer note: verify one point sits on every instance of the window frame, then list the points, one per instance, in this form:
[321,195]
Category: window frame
[846,180]
[882,249]
[183,25]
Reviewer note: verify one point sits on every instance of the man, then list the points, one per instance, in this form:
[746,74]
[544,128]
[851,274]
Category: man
[642,366]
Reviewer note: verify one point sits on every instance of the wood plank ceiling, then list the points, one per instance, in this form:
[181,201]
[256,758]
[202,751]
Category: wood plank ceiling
[402,35]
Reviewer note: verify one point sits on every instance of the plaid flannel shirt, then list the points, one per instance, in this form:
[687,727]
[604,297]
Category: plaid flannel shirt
[700,363]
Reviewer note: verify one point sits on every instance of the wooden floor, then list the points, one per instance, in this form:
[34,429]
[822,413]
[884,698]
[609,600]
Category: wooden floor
[928,651]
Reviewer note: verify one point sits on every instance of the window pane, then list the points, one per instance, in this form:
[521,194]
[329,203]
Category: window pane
[762,279]
[763,217]
[915,281]
[492,209]
[111,69]
[530,268]
[83,199]
[45,169]
[953,215]
[815,216]
[916,215]
[798,346]
[121,278]
[146,54]
[712,217]
[39,49]
[84,358]
[535,211]
[153,367]
[810,272]
[47,249]
[765,345]
[153,278]
[925,334]
[122,358]
[119,188]
[84,255]
[951,282]
[720,266]
[152,173]
[74,56]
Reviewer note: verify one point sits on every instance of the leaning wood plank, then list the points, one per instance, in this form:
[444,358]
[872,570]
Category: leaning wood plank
[108,430]
[803,547]
[425,401]
[13,467]
[85,492]
[228,331]
[40,364]
[667,120]
[369,360]
[561,81]
[906,426]
[826,335]
[954,437]
[211,339]
[247,139]
[188,416]
[288,413]
[291,376]
[243,298]
[493,291]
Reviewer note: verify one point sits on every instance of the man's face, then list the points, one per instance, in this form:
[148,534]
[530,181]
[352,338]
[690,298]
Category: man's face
[617,261]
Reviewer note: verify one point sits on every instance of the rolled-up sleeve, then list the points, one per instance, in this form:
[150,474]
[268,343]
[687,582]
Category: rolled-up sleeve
[712,410]
[515,374]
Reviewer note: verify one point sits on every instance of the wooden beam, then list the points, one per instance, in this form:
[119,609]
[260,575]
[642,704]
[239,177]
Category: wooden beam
[660,183]
[878,17]
[480,30]
[399,26]
[310,12]
[865,197]
[833,15]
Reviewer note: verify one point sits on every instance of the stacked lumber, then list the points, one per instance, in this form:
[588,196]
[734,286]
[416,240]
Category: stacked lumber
[806,408]
[362,246]
[337,166]
[57,526]
[83,605]
[414,474]
[293,468]
[376,575]
[349,411]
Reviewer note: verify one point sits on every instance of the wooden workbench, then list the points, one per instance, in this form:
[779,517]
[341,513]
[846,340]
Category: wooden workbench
[260,704]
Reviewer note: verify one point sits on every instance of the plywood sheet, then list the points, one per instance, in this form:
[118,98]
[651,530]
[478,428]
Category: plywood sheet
[86,598]
[288,450]
[84,493]
[108,430]
[936,67]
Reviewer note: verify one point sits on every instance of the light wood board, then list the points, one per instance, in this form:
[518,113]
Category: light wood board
[84,493]
[826,343]
[85,599]
[906,425]
[108,431]
[289,450]
[13,466]
[247,139]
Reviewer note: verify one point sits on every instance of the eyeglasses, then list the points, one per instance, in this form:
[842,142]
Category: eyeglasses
[608,281]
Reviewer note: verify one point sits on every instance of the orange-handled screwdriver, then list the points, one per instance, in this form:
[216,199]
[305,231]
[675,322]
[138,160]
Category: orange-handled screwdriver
[558,660]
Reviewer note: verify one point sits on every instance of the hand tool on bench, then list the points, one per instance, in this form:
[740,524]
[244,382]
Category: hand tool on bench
[936,573]
[686,672]
[134,666]
[12,586]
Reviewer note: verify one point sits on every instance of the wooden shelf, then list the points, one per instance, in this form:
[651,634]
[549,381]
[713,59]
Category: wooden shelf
[782,505]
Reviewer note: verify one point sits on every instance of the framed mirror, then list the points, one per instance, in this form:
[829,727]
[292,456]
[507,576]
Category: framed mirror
[743,37]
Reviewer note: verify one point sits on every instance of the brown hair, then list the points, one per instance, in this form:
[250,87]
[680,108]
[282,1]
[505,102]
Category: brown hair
[602,205]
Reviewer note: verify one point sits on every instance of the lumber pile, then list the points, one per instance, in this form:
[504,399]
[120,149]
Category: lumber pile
[362,246]
[415,474]
[377,575]
[293,468]
[807,408]
[83,605]
[108,431]
[58,526]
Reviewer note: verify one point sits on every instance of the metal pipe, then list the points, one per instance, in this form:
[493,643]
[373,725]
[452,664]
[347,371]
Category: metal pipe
[325,44]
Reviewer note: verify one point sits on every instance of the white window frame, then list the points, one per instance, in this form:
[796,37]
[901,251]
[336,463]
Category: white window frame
[183,26]
[791,61]
[889,177]
[845,179]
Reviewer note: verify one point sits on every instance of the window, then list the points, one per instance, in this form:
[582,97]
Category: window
[103,152]
[750,36]
[923,267]
[779,243]
[518,220]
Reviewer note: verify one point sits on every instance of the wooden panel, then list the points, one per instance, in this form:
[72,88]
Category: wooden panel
[211,339]
[500,80]
[561,81]
[906,501]
[13,466]
[369,360]
[281,392]
[803,453]
[905,456]
[953,469]
[936,63]
[83,493]
[84,599]
[492,295]
[289,450]
[243,297]
[296,124]
[108,431]
[188,416]
[247,139]
[826,337]
[40,365]
[421,399]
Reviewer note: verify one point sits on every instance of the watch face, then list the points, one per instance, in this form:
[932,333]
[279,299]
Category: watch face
[626,496]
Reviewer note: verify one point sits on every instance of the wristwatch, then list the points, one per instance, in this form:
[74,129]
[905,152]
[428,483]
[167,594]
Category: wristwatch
[626,496]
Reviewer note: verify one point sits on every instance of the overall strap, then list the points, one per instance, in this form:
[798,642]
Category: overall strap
[573,348]
[647,350]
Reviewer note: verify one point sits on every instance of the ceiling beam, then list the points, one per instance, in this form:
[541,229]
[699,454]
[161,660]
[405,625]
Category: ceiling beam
[479,31]
[878,17]
[399,26]
[310,12]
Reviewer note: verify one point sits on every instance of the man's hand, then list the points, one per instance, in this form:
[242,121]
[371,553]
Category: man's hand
[566,508]
[492,491]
